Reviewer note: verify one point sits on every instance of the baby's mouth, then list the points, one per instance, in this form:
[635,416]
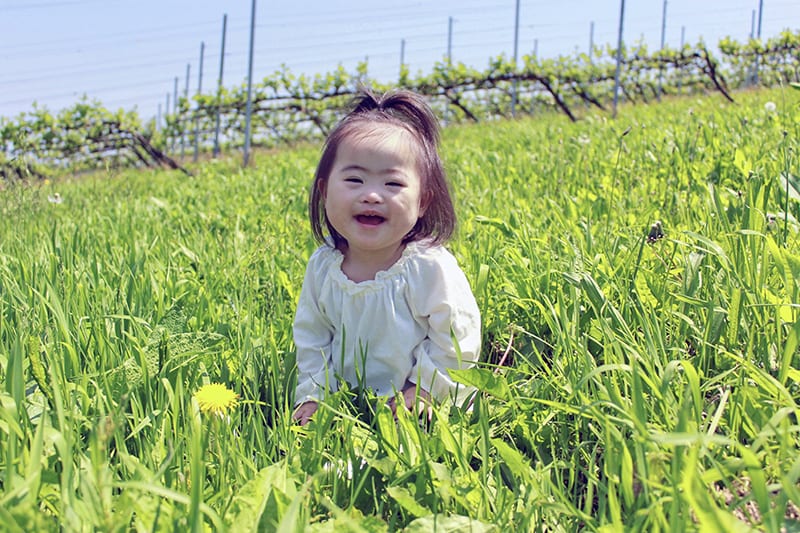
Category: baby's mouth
[370,220]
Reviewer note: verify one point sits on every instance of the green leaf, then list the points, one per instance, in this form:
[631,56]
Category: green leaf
[691,274]
[791,183]
[384,465]
[741,162]
[496,223]
[484,380]
[789,351]
[38,367]
[707,245]
[406,500]
[512,457]
[148,511]
[249,503]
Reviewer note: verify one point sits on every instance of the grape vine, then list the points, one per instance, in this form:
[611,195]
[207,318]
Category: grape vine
[289,108]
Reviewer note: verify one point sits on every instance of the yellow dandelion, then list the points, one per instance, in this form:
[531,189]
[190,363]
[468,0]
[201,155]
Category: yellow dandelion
[215,399]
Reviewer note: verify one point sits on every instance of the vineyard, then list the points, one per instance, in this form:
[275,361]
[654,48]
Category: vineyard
[289,108]
[639,282]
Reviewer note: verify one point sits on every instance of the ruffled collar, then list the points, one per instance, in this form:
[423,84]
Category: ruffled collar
[381,276]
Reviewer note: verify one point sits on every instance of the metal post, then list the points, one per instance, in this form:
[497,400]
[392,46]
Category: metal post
[449,40]
[680,70]
[619,56]
[185,97]
[197,111]
[449,62]
[750,75]
[536,58]
[219,85]
[758,36]
[760,15]
[663,37]
[402,56]
[591,52]
[516,45]
[249,111]
[175,109]
[166,125]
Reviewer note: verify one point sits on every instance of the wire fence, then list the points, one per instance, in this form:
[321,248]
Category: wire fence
[286,108]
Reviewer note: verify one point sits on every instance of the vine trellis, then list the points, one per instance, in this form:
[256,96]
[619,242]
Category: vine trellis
[289,108]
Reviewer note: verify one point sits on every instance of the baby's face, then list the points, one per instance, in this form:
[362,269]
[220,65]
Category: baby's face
[373,196]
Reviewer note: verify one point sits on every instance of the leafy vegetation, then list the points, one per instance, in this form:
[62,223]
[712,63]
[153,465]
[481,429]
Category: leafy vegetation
[638,280]
[288,108]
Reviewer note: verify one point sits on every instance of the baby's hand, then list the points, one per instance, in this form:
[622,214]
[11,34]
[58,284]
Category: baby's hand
[303,413]
[410,397]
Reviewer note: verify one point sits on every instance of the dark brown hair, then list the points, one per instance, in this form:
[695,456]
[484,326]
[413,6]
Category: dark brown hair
[402,109]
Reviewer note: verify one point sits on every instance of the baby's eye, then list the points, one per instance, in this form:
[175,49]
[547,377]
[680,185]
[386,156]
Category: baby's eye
[395,184]
[353,179]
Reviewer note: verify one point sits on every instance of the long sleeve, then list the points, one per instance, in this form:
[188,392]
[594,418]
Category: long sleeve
[376,334]
[441,298]
[313,334]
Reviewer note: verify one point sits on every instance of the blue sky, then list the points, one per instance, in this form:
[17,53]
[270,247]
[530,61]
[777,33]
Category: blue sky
[127,54]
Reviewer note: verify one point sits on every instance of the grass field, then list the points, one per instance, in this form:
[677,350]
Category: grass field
[637,277]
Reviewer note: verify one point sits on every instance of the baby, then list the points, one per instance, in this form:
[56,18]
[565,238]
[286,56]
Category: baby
[383,305]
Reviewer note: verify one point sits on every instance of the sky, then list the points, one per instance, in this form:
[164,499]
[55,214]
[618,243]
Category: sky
[127,54]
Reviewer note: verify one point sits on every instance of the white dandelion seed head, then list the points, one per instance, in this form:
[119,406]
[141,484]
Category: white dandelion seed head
[770,107]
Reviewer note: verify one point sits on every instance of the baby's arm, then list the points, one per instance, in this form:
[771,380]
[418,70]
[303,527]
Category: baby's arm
[442,297]
[313,335]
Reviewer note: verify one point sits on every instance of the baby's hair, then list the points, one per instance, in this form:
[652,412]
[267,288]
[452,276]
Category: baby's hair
[408,111]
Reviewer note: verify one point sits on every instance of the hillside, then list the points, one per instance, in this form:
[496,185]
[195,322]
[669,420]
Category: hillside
[639,282]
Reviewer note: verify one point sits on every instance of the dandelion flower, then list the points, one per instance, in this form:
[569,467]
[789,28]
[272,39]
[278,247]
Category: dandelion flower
[770,107]
[215,399]
[55,198]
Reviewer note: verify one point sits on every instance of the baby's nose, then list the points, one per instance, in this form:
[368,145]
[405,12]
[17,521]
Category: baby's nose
[372,197]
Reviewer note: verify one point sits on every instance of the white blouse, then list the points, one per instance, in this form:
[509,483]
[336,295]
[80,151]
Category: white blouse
[379,333]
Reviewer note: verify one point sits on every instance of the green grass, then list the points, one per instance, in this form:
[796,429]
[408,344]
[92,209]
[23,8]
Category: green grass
[648,384]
